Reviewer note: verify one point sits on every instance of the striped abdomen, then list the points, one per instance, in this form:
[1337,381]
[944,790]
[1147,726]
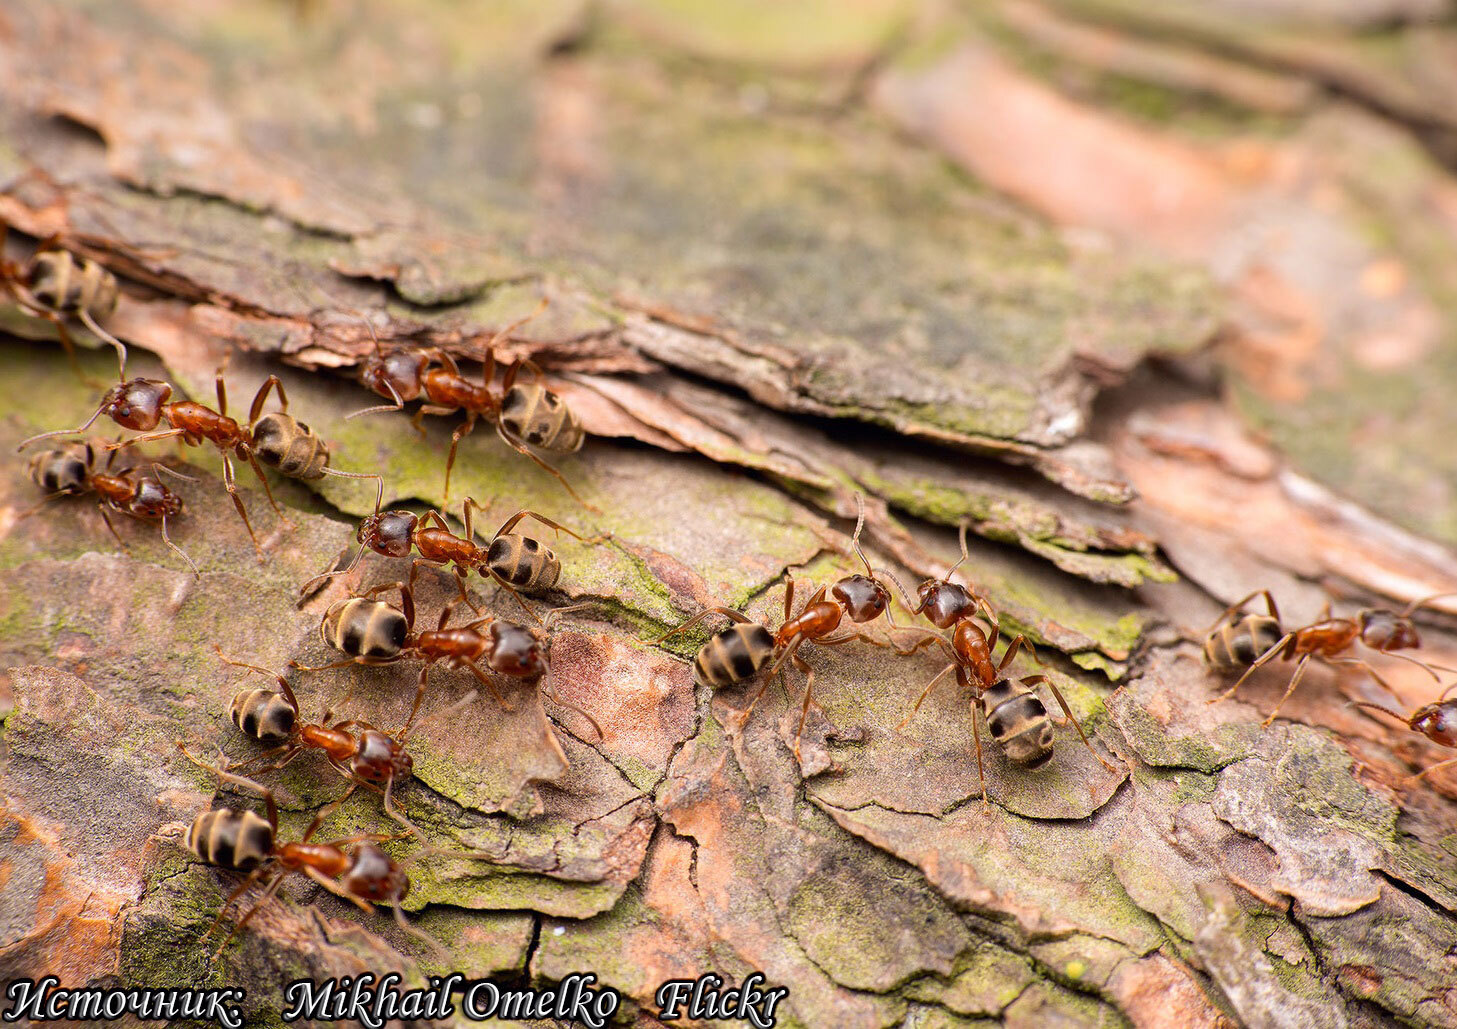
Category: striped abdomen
[1236,645]
[734,655]
[1017,719]
[541,418]
[64,282]
[365,628]
[523,562]
[240,840]
[62,471]
[264,715]
[289,445]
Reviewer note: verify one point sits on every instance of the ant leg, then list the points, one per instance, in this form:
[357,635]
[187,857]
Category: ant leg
[1233,608]
[515,593]
[327,810]
[272,382]
[1263,659]
[268,892]
[231,485]
[420,687]
[394,812]
[1412,779]
[333,664]
[283,685]
[480,675]
[241,889]
[728,612]
[1407,611]
[337,890]
[236,780]
[461,431]
[511,522]
[398,405]
[148,437]
[90,323]
[267,489]
[520,447]
[1294,681]
[1369,671]
[1033,680]
[1016,643]
[101,506]
[976,708]
[167,539]
[809,682]
[924,694]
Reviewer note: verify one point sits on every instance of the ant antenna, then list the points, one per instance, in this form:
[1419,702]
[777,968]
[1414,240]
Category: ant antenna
[62,432]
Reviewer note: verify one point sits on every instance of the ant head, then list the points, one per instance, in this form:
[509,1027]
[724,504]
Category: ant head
[380,758]
[136,403]
[1438,722]
[395,374]
[1386,630]
[391,533]
[945,603]
[374,876]
[862,597]
[517,651]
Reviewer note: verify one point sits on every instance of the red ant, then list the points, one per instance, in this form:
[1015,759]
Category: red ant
[371,632]
[354,868]
[277,438]
[362,754]
[514,561]
[522,414]
[1015,715]
[743,650]
[1436,721]
[1381,629]
[55,283]
[71,471]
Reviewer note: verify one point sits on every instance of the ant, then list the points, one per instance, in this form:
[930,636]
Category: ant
[54,284]
[239,840]
[1231,644]
[278,439]
[742,651]
[515,561]
[372,632]
[1436,721]
[71,471]
[362,754]
[1015,715]
[522,413]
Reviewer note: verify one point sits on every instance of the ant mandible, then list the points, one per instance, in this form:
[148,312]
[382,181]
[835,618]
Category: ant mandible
[71,471]
[1015,715]
[522,413]
[1231,644]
